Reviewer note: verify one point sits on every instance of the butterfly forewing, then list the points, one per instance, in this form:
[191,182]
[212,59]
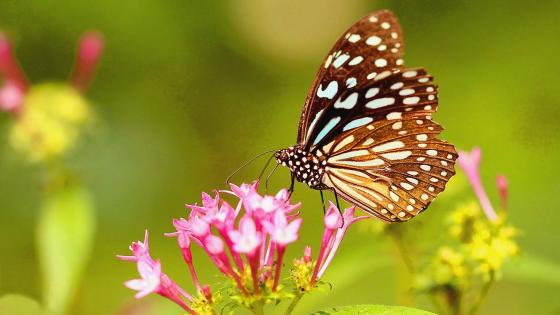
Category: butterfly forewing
[371,46]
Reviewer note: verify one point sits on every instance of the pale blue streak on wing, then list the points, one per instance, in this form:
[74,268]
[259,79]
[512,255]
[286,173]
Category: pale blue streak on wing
[357,123]
[328,127]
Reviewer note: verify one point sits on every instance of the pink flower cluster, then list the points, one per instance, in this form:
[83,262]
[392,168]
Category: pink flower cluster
[246,242]
[469,163]
[15,83]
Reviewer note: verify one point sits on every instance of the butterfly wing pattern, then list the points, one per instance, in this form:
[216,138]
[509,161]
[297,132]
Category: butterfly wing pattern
[366,130]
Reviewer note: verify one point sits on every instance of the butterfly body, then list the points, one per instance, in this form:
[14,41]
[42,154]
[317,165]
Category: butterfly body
[366,130]
[306,167]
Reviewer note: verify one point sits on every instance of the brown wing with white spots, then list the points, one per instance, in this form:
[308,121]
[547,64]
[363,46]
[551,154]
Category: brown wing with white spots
[390,163]
[371,46]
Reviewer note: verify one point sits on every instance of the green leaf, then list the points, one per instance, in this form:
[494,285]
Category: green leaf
[65,239]
[372,310]
[14,304]
[530,268]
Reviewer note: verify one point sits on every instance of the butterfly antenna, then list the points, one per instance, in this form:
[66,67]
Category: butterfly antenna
[265,166]
[268,177]
[228,180]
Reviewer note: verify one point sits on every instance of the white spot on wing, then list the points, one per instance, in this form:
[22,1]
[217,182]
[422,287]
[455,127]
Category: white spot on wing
[397,155]
[373,40]
[340,60]
[372,92]
[354,38]
[356,60]
[348,103]
[380,63]
[394,115]
[380,102]
[388,146]
[329,92]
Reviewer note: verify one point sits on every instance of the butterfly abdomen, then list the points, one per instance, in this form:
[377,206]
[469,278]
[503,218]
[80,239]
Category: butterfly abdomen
[305,167]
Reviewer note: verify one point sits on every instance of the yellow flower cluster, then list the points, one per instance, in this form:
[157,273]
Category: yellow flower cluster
[50,122]
[476,247]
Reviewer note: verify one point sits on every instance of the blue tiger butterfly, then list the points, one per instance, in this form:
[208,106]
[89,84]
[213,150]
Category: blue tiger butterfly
[366,130]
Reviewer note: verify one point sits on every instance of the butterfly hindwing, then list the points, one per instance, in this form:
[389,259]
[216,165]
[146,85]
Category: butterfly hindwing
[391,173]
[371,46]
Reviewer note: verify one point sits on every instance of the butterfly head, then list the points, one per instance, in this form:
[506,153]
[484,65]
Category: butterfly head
[306,167]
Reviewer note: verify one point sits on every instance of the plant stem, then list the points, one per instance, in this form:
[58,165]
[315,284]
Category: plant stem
[292,305]
[258,308]
[482,295]
[401,248]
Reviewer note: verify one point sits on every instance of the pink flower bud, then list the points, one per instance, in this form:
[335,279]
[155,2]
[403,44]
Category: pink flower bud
[207,292]
[502,184]
[469,163]
[90,47]
[307,254]
[9,67]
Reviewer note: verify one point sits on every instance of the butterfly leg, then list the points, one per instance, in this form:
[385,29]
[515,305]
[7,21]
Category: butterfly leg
[323,201]
[291,189]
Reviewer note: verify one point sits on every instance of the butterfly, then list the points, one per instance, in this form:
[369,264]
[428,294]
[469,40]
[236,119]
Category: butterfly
[366,130]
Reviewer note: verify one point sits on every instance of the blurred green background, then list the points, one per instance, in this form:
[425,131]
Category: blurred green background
[188,90]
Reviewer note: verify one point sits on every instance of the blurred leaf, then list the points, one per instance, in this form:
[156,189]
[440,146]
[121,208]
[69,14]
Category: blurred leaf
[64,238]
[14,304]
[372,309]
[532,268]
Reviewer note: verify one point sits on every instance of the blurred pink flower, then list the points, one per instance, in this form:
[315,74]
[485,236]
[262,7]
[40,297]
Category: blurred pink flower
[469,163]
[89,51]
[12,93]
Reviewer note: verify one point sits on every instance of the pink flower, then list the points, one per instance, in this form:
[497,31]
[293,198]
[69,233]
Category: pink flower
[282,232]
[15,82]
[469,163]
[252,235]
[247,239]
[150,279]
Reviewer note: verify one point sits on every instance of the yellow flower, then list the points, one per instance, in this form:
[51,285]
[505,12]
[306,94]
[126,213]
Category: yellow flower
[50,122]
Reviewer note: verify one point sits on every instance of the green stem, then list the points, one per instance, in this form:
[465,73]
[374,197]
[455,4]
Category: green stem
[292,305]
[482,295]
[401,248]
[258,308]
